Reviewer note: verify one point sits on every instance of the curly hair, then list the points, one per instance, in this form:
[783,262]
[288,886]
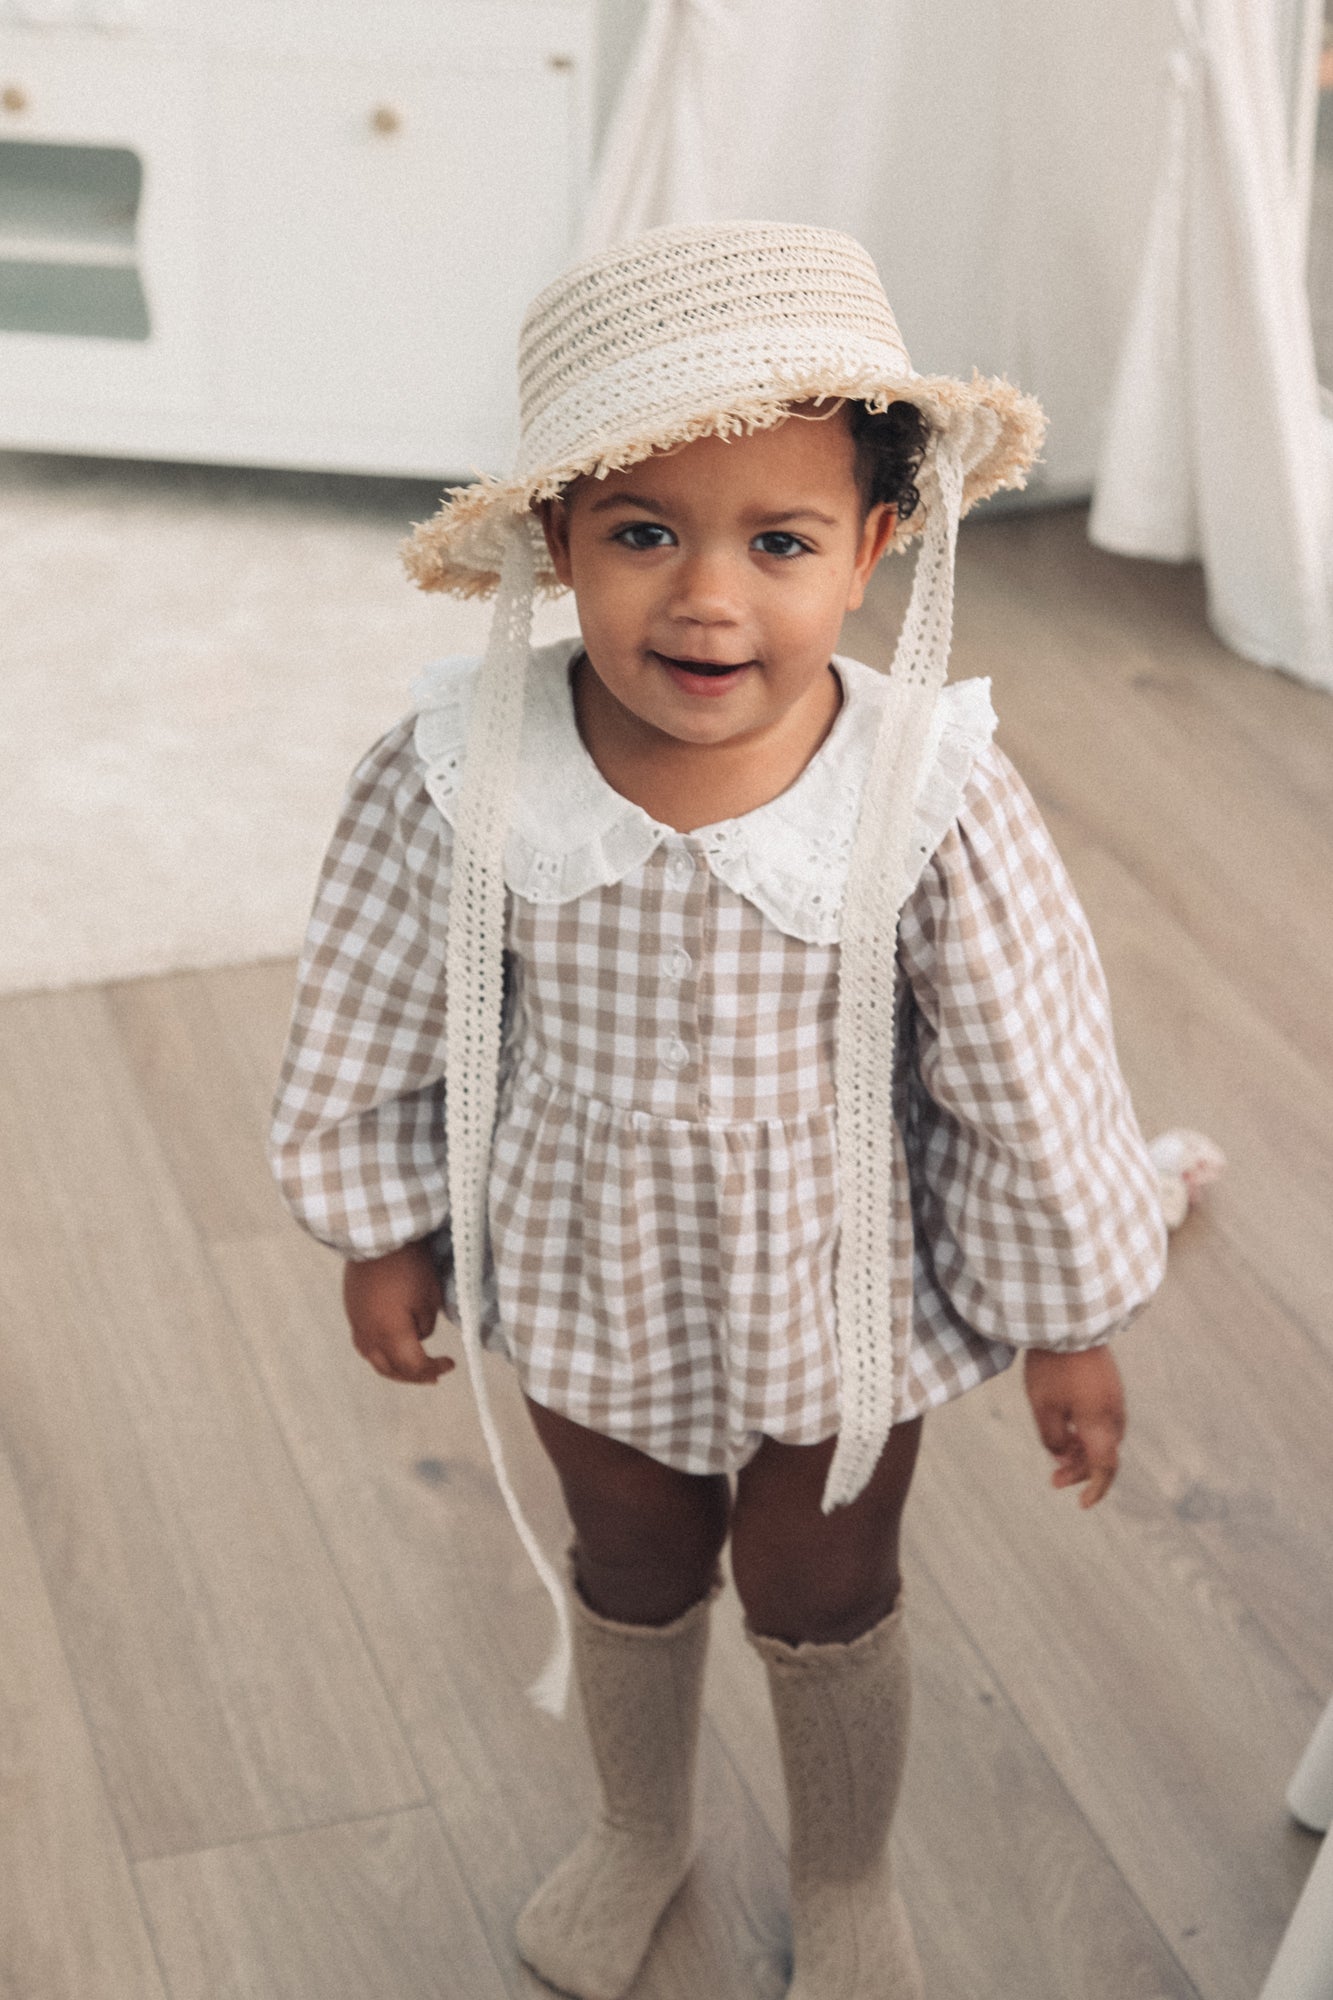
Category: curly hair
[890,445]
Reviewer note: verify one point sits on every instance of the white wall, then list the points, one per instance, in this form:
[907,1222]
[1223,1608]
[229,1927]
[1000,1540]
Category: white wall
[998,164]
[618,25]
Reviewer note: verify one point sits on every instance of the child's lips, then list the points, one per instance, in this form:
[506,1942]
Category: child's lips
[705,677]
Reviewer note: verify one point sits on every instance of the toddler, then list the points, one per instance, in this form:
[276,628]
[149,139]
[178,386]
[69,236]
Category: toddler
[705,1021]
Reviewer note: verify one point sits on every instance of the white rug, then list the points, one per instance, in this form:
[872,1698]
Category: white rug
[193,659]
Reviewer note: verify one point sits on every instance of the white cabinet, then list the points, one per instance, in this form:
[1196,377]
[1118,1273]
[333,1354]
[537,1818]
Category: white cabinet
[99,239]
[257,235]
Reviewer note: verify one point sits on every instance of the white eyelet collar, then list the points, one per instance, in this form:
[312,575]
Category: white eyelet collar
[571,832]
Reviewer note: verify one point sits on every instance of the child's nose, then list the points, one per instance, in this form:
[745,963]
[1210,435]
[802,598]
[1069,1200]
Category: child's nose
[707,588]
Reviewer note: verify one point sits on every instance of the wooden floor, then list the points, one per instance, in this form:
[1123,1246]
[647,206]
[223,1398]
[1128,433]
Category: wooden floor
[264,1627]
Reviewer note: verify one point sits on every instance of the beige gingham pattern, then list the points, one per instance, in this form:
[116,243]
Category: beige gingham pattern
[357,1140]
[663,1194]
[1037,1207]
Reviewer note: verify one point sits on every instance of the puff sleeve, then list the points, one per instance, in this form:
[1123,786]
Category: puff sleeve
[357,1142]
[1035,1205]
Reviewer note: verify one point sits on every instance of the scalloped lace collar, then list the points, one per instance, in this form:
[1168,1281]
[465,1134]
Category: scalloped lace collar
[571,832]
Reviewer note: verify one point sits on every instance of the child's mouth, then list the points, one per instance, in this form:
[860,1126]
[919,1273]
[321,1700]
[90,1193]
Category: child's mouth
[704,676]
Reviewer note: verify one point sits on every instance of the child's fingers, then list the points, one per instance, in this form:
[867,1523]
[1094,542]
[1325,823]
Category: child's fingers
[1053,1426]
[425,1315]
[1100,1435]
[1078,1403]
[424,1368]
[392,1303]
[1091,1455]
[1099,1485]
[397,1354]
[1098,1482]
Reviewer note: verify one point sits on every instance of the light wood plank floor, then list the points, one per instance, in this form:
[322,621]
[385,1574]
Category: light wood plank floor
[265,1627]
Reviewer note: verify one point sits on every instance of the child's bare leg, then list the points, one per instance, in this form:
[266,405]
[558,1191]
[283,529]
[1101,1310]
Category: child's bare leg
[806,1575]
[823,1590]
[646,1537]
[646,1548]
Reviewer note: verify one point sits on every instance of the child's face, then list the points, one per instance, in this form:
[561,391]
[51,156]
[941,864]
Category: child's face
[712,580]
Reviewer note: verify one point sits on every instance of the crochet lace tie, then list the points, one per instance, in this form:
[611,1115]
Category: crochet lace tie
[474,974]
[874,1327]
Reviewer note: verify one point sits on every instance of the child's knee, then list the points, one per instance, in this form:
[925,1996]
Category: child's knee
[650,1588]
[646,1537]
[786,1595]
[806,1576]
[644,1557]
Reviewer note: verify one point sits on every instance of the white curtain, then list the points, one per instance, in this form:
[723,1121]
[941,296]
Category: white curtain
[1216,446]
[997,161]
[1006,167]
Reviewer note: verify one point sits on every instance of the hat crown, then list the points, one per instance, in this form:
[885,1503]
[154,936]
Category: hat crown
[709,330]
[695,320]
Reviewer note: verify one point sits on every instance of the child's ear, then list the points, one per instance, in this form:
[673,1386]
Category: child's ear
[554,517]
[876,531]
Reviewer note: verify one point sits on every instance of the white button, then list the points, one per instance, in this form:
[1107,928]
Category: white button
[674,1053]
[678,963]
[680,868]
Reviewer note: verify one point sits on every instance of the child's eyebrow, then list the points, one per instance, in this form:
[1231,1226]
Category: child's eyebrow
[793,514]
[609,500]
[650,506]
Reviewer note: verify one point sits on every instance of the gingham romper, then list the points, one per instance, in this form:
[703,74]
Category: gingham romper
[663,1209]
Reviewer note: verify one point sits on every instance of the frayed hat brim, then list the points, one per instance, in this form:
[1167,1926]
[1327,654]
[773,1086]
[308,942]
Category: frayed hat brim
[460,549]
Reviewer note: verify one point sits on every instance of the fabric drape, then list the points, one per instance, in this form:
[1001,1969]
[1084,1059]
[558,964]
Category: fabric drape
[1037,208]
[1215,446]
[997,162]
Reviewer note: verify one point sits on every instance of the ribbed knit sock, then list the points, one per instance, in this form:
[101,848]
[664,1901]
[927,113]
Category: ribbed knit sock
[842,1717]
[588,1928]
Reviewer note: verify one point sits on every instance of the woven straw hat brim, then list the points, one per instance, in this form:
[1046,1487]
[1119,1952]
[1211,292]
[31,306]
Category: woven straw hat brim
[460,549]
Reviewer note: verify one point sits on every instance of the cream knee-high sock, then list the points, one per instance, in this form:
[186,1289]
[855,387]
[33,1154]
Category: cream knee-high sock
[588,1928]
[842,1718]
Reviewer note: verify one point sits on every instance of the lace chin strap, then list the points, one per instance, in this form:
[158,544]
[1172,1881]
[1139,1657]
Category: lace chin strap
[874,1326]
[474,972]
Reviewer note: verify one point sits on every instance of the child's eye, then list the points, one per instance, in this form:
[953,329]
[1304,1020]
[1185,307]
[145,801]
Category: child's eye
[777,542]
[644,535]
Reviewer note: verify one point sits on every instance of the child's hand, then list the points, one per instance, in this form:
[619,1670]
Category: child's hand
[392,1303]
[1078,1401]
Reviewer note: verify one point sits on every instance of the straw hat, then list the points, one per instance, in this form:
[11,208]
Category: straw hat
[702,330]
[689,332]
